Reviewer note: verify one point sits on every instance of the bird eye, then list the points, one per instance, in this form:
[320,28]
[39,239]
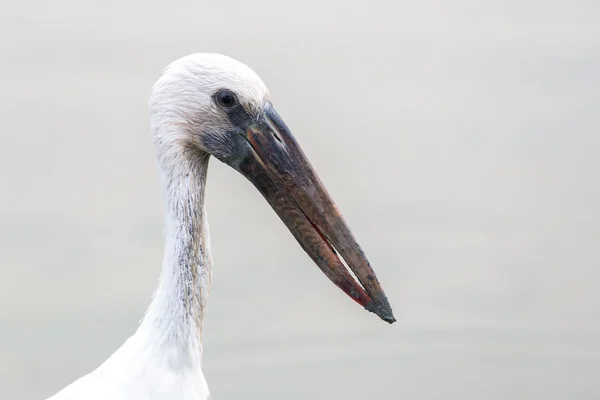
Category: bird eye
[226,99]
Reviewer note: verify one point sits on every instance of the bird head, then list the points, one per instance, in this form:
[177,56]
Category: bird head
[210,104]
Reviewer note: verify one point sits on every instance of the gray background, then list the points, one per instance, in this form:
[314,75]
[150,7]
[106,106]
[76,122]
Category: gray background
[460,139]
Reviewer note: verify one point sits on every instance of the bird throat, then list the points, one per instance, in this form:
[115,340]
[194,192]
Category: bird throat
[177,309]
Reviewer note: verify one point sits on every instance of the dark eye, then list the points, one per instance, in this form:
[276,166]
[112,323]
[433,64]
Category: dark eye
[226,99]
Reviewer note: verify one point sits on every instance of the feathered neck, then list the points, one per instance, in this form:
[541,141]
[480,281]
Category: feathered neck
[174,318]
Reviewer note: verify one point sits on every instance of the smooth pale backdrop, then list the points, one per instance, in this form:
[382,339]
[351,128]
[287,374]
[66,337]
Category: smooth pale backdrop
[460,139]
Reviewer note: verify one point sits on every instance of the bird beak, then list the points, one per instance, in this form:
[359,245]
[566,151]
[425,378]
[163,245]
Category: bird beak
[278,168]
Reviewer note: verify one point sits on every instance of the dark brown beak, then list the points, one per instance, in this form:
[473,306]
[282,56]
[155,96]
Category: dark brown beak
[279,169]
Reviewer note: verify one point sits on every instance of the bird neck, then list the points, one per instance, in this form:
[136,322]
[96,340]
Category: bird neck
[175,315]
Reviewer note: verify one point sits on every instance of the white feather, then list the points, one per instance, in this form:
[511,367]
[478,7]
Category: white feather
[162,360]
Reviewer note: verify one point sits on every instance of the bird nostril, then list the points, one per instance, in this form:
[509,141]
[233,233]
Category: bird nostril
[276,136]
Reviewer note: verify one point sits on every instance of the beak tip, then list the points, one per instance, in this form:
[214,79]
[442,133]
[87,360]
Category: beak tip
[388,318]
[383,311]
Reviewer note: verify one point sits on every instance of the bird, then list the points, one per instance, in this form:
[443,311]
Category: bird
[203,105]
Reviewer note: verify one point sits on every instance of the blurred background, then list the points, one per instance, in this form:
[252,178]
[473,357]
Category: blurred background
[460,139]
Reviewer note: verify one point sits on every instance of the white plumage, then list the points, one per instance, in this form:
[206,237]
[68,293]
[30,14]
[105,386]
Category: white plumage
[162,360]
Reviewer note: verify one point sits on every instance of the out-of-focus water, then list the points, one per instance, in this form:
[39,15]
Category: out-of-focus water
[461,140]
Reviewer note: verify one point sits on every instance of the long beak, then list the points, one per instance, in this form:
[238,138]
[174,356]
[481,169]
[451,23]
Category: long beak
[279,169]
